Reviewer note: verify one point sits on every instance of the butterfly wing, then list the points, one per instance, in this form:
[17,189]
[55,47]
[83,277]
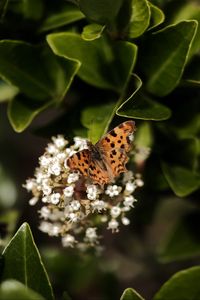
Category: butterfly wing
[80,161]
[114,147]
[98,172]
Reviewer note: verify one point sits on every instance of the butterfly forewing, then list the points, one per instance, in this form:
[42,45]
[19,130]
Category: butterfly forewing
[80,161]
[114,147]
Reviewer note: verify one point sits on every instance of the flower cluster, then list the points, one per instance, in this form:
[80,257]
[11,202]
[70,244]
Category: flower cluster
[71,206]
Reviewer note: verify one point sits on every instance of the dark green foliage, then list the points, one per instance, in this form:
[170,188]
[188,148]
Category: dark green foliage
[96,63]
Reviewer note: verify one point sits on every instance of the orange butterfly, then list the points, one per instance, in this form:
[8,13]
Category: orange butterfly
[106,159]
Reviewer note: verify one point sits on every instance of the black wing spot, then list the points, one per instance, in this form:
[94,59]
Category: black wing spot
[85,170]
[112,145]
[86,161]
[83,164]
[113,133]
[119,141]
[122,146]
[114,152]
[111,156]
[78,154]
[107,139]
[127,139]
[112,161]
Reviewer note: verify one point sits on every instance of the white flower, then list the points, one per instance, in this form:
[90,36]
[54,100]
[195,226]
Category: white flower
[72,217]
[113,225]
[51,149]
[98,205]
[115,211]
[92,192]
[68,240]
[129,200]
[75,205]
[54,167]
[91,234]
[45,226]
[125,221]
[46,190]
[73,177]
[30,184]
[33,201]
[113,190]
[130,187]
[55,198]
[59,141]
[68,191]
[45,212]
[80,143]
[55,229]
[44,160]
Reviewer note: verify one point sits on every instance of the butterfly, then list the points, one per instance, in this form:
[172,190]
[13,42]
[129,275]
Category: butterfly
[106,159]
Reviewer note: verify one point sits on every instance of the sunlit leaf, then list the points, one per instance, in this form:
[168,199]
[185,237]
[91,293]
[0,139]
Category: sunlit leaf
[92,32]
[157,16]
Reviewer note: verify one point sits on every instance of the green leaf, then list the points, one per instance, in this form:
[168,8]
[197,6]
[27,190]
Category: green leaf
[163,64]
[7,91]
[37,72]
[104,64]
[140,18]
[183,242]
[139,106]
[101,11]
[190,11]
[97,120]
[22,262]
[184,285]
[13,290]
[131,294]
[92,32]
[157,16]
[144,135]
[181,180]
[22,111]
[65,14]
[9,220]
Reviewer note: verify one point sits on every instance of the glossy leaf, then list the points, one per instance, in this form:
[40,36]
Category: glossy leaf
[3,8]
[12,289]
[139,106]
[22,111]
[22,262]
[100,11]
[157,16]
[183,285]
[190,11]
[97,120]
[181,180]
[97,58]
[163,66]
[131,294]
[36,72]
[139,19]
[66,14]
[92,32]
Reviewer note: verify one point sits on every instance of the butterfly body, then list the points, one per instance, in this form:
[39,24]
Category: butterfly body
[106,159]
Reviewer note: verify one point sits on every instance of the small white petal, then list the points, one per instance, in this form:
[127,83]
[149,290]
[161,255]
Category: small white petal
[55,198]
[68,191]
[125,221]
[68,240]
[115,211]
[33,201]
[75,205]
[113,225]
